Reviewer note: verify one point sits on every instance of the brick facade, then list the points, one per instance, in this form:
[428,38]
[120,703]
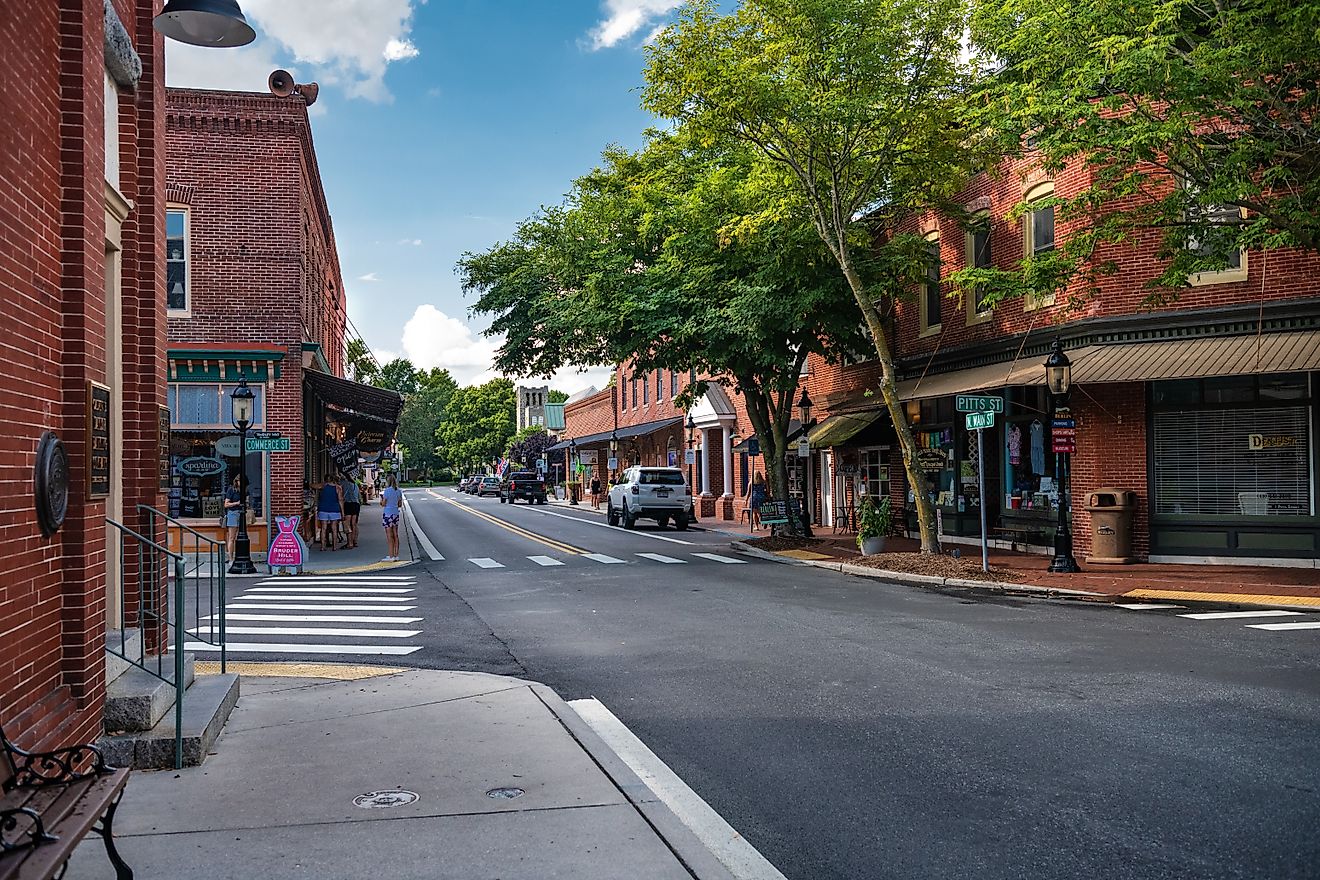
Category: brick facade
[57,244]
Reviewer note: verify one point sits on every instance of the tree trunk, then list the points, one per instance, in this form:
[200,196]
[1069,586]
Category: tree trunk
[766,422]
[906,441]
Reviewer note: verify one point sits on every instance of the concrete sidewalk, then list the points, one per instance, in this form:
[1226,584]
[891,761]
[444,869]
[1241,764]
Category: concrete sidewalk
[406,774]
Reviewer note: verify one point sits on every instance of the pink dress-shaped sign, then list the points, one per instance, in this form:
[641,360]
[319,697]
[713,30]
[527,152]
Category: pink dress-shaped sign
[287,550]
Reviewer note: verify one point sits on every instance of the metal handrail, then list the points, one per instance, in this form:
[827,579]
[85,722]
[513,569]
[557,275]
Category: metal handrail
[214,578]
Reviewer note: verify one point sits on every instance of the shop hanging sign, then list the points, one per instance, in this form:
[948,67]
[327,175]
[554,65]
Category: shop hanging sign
[804,448]
[689,456]
[229,446]
[1259,442]
[587,456]
[345,457]
[98,440]
[163,449]
[200,467]
[754,446]
[932,460]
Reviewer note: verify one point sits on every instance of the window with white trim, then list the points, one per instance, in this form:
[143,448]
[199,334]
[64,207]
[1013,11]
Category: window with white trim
[1038,237]
[176,259]
[1220,215]
[978,257]
[932,296]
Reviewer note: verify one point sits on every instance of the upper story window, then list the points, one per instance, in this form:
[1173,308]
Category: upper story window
[111,132]
[978,257]
[1038,237]
[634,392]
[210,405]
[931,295]
[1219,215]
[176,260]
[646,391]
[673,383]
[659,385]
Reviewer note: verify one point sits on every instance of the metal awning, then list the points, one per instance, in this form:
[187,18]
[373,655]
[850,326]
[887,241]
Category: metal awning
[625,432]
[355,397]
[975,379]
[837,430]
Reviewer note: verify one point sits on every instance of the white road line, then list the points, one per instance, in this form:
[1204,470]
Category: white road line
[321,631]
[715,557]
[330,590]
[302,597]
[602,525]
[724,842]
[1309,624]
[602,558]
[1236,615]
[1144,606]
[659,557]
[427,546]
[545,560]
[486,562]
[313,618]
[258,648]
[372,579]
[295,607]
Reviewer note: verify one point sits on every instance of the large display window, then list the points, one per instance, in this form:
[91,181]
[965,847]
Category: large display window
[202,457]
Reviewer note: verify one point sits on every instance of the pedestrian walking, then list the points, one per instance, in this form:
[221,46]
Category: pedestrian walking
[595,492]
[233,510]
[757,498]
[390,499]
[329,513]
[352,495]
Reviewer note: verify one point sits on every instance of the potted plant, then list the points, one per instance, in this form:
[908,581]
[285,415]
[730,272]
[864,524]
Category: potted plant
[873,524]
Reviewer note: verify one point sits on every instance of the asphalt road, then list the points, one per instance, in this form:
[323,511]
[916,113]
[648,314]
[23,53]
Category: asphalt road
[854,729]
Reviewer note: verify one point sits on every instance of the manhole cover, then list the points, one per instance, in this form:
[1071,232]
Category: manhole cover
[505,793]
[390,797]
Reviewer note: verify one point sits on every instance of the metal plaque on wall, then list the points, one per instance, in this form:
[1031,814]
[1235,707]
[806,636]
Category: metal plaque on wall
[98,440]
[163,445]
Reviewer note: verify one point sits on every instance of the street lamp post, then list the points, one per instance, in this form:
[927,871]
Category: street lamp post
[241,404]
[1058,380]
[804,411]
[573,469]
[692,480]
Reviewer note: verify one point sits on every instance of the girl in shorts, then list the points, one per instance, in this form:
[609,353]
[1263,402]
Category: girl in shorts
[390,498]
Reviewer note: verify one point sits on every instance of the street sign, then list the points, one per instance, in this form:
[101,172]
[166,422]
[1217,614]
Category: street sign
[612,464]
[272,444]
[978,420]
[977,403]
[753,446]
[689,456]
[267,435]
[804,448]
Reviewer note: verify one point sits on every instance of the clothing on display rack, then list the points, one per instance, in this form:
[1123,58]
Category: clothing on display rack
[1014,445]
[1037,447]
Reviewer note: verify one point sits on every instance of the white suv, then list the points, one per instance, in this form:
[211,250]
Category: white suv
[658,493]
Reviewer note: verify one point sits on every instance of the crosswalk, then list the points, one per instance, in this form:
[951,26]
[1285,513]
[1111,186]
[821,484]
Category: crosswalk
[1310,620]
[259,617]
[486,562]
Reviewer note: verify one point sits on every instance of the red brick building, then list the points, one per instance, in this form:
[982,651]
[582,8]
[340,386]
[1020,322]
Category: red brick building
[255,291]
[1204,408]
[82,284]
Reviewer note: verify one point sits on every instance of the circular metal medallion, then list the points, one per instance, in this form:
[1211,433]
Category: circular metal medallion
[505,793]
[388,797]
[51,483]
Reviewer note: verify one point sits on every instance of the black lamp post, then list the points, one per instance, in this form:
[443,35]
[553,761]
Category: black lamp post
[241,404]
[614,450]
[1058,380]
[692,480]
[573,469]
[804,412]
[218,23]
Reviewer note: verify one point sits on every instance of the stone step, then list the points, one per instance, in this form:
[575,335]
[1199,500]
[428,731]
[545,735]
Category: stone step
[206,708]
[137,700]
[129,643]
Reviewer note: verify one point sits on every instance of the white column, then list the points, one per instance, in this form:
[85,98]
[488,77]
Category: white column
[705,461]
[728,462]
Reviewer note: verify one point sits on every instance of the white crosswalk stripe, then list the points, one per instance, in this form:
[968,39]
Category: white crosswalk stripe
[1281,627]
[1145,606]
[660,557]
[330,632]
[715,557]
[602,558]
[486,562]
[545,560]
[1239,615]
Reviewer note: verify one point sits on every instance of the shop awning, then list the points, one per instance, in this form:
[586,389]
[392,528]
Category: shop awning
[975,379]
[1295,352]
[355,397]
[837,430]
[625,431]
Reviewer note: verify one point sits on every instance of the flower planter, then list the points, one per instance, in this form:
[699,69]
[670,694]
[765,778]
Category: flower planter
[872,546]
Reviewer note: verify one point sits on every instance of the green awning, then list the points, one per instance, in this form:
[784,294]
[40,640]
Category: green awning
[837,430]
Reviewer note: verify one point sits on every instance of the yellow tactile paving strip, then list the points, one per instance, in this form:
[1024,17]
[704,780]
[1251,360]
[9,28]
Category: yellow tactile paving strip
[355,569]
[803,554]
[1235,598]
[337,671]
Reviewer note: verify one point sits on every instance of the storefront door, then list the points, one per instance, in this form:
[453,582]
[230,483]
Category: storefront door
[827,488]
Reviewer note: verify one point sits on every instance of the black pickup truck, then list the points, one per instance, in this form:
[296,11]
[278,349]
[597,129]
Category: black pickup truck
[526,485]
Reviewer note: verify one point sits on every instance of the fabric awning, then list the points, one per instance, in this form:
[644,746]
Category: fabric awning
[355,397]
[1294,352]
[975,379]
[837,430]
[625,431]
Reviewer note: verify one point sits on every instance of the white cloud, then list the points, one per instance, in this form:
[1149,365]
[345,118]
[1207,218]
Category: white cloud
[415,242]
[623,18]
[370,276]
[433,339]
[346,45]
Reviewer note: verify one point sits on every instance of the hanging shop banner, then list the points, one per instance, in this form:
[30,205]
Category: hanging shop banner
[345,457]
[200,467]
[587,456]
[98,440]
[754,446]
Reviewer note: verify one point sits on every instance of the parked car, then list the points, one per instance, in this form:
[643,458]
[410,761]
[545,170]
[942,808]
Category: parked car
[526,485]
[474,484]
[488,486]
[658,493]
[463,484]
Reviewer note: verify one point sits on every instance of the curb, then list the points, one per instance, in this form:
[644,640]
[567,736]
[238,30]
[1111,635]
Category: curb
[1002,587]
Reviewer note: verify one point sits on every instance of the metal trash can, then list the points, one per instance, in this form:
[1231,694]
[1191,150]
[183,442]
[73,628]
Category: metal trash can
[1111,525]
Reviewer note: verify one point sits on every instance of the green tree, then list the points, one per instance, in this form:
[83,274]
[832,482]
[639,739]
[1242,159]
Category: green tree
[423,411]
[685,256]
[557,396]
[361,362]
[861,104]
[528,445]
[478,423]
[398,375]
[1185,114]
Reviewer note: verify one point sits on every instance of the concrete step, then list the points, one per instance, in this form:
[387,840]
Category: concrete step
[137,700]
[129,643]
[206,708]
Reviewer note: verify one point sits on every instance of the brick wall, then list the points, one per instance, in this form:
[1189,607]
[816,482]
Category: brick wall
[52,278]
[1111,452]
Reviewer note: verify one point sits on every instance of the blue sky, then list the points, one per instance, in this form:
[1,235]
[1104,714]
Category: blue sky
[439,125]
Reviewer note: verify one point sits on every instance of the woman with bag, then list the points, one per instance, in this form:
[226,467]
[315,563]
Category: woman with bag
[329,511]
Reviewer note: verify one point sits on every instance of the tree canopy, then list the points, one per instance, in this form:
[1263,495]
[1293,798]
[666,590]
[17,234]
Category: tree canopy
[423,412]
[479,422]
[528,445]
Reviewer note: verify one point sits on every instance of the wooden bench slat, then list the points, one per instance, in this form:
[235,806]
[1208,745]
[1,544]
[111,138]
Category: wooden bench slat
[69,812]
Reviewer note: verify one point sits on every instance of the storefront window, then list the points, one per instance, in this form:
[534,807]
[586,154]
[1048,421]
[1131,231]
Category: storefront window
[203,464]
[875,472]
[1237,446]
[1029,465]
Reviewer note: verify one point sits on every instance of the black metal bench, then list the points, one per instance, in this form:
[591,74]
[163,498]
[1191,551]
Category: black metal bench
[49,801]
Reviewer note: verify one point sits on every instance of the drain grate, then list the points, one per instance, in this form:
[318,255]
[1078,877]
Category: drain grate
[505,793]
[388,797]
